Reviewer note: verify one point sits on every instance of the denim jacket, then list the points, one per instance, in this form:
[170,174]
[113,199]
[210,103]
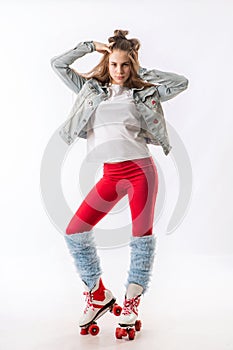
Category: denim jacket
[90,92]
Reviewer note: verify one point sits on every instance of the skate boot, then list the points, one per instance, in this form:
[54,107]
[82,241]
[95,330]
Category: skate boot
[99,300]
[128,321]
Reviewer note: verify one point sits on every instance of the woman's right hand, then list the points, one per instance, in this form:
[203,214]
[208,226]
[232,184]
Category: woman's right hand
[101,47]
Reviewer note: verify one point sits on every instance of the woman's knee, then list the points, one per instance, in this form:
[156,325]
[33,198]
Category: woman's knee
[77,225]
[70,230]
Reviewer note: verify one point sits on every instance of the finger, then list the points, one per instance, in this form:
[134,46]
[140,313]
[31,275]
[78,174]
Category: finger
[108,49]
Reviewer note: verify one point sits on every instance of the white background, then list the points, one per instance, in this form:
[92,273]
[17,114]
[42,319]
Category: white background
[189,303]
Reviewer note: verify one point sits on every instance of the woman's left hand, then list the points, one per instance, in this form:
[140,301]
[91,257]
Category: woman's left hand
[101,47]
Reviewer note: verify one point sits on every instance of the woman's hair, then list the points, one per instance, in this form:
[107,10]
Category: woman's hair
[131,46]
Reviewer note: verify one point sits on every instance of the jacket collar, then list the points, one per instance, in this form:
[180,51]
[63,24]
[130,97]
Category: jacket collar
[106,86]
[142,94]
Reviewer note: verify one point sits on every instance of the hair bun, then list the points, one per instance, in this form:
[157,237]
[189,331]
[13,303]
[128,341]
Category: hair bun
[121,33]
[135,44]
[128,44]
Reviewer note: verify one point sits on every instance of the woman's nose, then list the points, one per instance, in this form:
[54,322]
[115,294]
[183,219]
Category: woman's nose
[119,69]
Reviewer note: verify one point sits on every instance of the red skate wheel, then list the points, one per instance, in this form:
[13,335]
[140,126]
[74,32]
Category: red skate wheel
[93,329]
[120,332]
[117,310]
[138,325]
[131,334]
[84,331]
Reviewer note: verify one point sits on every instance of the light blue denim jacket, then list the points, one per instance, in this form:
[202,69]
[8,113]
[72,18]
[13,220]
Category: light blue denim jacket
[90,93]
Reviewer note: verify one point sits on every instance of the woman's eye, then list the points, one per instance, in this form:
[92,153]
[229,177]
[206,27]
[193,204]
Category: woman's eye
[124,64]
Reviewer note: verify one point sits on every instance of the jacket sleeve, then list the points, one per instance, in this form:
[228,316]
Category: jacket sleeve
[61,65]
[169,84]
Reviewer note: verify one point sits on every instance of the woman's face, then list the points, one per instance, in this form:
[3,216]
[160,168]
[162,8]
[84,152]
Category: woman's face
[119,66]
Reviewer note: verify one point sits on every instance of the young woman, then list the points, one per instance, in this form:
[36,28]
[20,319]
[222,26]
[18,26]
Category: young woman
[118,110]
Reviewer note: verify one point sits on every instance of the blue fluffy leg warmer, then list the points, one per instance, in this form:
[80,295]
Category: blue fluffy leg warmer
[141,260]
[83,250]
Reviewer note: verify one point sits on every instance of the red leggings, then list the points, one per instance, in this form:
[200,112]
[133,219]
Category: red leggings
[138,178]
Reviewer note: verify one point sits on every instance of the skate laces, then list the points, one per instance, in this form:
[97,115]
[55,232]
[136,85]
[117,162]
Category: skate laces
[130,305]
[89,298]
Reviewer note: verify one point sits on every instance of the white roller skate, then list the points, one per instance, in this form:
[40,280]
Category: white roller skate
[128,321]
[99,301]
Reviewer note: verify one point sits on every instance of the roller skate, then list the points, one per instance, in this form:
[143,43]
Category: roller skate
[128,322]
[99,300]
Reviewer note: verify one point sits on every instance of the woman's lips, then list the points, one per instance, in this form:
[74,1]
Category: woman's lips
[120,77]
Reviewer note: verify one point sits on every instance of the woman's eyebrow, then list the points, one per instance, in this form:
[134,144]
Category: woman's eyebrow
[122,62]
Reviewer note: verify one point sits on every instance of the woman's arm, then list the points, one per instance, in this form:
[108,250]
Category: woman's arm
[170,84]
[61,63]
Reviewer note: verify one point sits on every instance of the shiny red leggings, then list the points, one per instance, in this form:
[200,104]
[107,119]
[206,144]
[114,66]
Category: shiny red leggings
[138,179]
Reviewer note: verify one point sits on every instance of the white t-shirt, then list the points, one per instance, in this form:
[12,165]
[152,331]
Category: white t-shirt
[113,128]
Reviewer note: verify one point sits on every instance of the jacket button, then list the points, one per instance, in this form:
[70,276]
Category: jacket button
[155,121]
